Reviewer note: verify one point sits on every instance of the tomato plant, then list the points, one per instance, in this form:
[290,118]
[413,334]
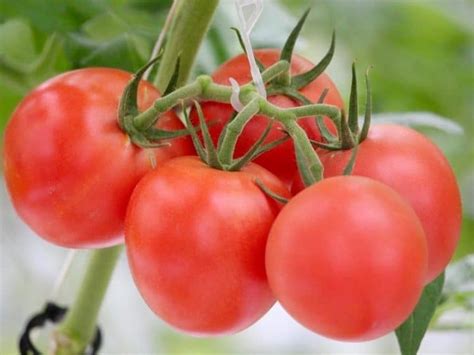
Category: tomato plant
[195,239]
[347,258]
[69,168]
[412,165]
[280,160]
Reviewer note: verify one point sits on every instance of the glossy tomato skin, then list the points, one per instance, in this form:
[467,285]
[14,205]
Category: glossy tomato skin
[69,168]
[412,165]
[281,160]
[347,258]
[196,239]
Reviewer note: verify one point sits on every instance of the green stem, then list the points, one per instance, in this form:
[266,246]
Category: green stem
[275,70]
[234,129]
[149,117]
[190,23]
[333,112]
[79,326]
[302,143]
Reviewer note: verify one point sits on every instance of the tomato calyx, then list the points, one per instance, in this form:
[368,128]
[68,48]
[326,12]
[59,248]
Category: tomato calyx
[150,137]
[284,82]
[349,134]
[221,156]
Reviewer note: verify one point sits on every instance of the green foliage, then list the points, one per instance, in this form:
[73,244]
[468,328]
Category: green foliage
[39,39]
[411,332]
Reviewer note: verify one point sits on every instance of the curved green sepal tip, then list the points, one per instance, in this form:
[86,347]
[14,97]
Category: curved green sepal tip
[128,107]
[368,109]
[273,195]
[260,66]
[287,50]
[353,117]
[174,78]
[301,80]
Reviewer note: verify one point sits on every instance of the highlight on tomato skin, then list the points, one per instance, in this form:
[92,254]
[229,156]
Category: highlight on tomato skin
[69,168]
[280,160]
[195,239]
[347,258]
[416,168]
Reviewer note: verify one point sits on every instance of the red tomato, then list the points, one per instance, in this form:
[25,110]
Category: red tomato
[347,258]
[281,160]
[69,168]
[412,165]
[196,239]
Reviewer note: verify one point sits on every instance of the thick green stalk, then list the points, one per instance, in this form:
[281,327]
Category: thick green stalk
[149,117]
[234,129]
[191,21]
[332,112]
[310,157]
[79,326]
[276,69]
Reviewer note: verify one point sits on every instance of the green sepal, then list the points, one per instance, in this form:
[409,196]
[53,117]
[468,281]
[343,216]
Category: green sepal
[174,78]
[270,193]
[353,117]
[128,106]
[250,155]
[155,134]
[194,137]
[301,80]
[212,158]
[296,95]
[352,160]
[142,142]
[368,109]
[346,138]
[323,95]
[323,129]
[260,66]
[287,50]
[330,146]
[41,64]
[307,173]
[411,332]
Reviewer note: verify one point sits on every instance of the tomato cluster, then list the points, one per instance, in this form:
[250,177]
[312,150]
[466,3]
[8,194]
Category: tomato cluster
[212,250]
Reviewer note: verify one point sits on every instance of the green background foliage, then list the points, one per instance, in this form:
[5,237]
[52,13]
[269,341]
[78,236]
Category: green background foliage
[421,51]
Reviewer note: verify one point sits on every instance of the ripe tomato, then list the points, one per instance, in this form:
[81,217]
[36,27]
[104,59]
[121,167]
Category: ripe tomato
[69,168]
[281,160]
[196,239]
[347,258]
[412,165]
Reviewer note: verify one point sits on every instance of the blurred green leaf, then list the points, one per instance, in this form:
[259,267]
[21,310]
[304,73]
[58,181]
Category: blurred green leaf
[51,15]
[21,67]
[127,51]
[466,241]
[16,41]
[110,24]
